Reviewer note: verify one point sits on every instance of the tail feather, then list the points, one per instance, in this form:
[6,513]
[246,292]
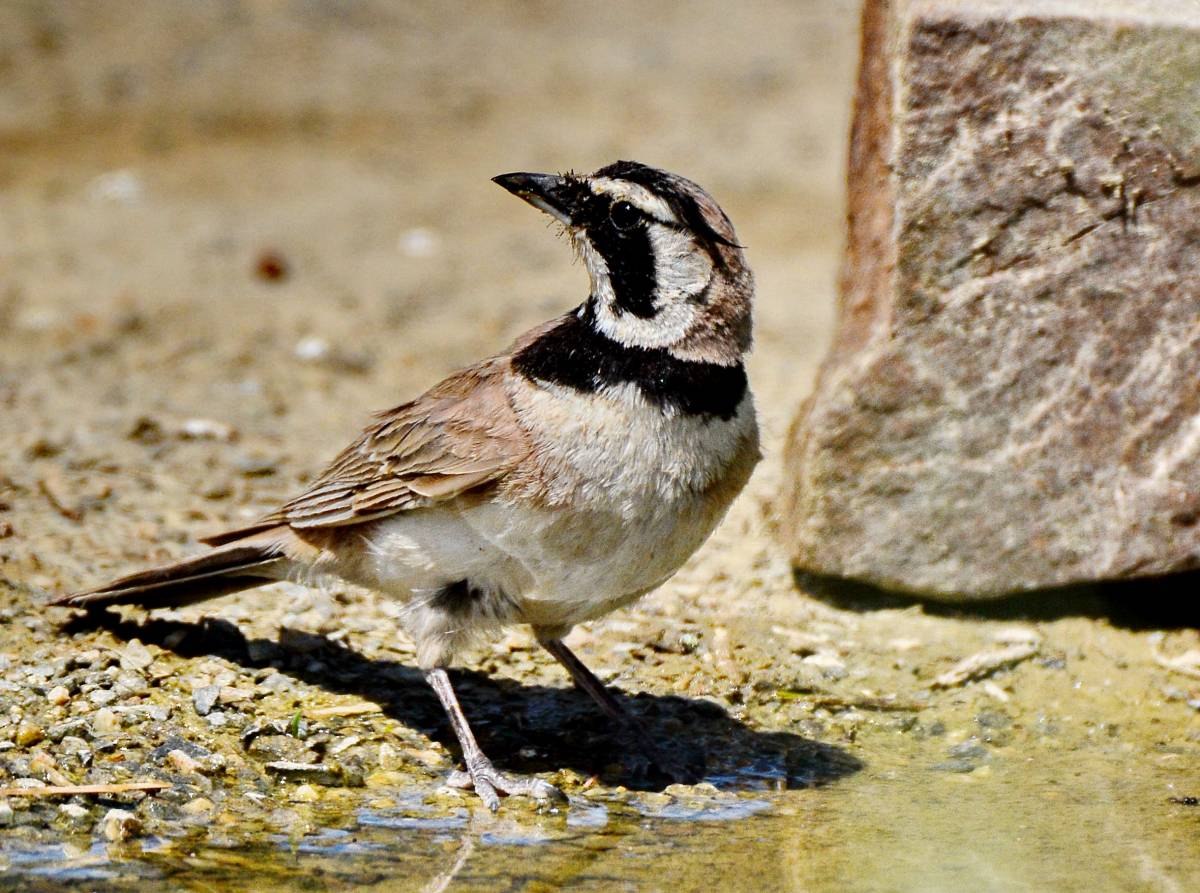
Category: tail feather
[241,533]
[219,572]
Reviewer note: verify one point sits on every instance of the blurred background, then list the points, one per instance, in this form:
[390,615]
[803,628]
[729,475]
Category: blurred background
[278,213]
[294,191]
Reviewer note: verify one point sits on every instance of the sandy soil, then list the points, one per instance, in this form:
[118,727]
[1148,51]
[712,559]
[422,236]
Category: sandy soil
[159,165]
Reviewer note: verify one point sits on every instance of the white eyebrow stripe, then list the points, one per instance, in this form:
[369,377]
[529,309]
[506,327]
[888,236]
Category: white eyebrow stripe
[638,196]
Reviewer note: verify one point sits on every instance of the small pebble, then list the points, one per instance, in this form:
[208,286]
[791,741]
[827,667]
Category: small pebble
[199,806]
[389,757]
[427,757]
[29,733]
[384,779]
[231,695]
[121,824]
[217,719]
[206,429]
[45,766]
[969,750]
[306,793]
[993,719]
[175,742]
[312,348]
[271,266]
[72,744]
[182,762]
[256,466]
[205,698]
[105,722]
[78,727]
[135,656]
[346,743]
[58,695]
[418,242]
[326,774]
[6,813]
[118,187]
[656,800]
[102,696]
[830,665]
[74,813]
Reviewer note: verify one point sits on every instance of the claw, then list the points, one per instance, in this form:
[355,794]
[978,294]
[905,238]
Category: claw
[489,783]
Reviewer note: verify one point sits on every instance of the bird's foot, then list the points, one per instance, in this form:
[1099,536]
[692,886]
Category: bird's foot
[489,783]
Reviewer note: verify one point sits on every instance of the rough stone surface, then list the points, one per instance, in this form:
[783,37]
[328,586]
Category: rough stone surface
[1012,401]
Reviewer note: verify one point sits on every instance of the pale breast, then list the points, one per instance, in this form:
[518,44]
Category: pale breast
[616,450]
[619,496]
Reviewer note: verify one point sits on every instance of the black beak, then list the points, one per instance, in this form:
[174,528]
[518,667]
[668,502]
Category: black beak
[547,192]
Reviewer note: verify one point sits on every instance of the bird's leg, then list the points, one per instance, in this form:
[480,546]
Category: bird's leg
[586,680]
[480,774]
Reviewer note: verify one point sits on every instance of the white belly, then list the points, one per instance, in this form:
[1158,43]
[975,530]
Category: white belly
[580,565]
[553,568]
[631,496]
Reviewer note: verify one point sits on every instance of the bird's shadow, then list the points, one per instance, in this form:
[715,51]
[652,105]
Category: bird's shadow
[522,727]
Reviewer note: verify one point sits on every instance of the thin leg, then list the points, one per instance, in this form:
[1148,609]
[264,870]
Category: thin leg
[488,781]
[586,680]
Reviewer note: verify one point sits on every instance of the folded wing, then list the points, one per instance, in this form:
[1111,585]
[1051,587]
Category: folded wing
[461,435]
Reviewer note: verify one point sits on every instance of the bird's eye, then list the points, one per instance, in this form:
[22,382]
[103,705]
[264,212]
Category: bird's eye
[624,215]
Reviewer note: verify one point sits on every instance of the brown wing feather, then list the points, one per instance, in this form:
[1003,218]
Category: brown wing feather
[460,435]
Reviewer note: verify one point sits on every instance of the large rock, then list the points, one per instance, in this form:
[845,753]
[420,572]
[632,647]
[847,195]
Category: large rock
[1012,400]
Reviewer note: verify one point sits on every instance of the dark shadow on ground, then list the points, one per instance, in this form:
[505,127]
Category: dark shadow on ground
[1164,602]
[523,728]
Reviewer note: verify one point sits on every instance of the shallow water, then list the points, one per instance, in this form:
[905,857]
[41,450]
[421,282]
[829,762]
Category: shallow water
[1089,818]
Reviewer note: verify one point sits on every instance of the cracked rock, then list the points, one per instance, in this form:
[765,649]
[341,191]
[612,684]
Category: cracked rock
[1010,403]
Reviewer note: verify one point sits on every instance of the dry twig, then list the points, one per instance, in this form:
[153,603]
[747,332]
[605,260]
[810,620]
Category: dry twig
[343,710]
[71,790]
[984,663]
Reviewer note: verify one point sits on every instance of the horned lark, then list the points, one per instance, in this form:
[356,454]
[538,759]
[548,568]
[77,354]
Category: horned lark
[547,485]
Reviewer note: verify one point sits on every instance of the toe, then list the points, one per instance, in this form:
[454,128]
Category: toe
[519,785]
[489,783]
[487,793]
[543,790]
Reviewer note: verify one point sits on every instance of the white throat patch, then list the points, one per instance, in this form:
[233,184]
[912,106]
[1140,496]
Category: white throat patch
[683,272]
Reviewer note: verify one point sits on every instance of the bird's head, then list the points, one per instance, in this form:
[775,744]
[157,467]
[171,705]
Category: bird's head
[666,269]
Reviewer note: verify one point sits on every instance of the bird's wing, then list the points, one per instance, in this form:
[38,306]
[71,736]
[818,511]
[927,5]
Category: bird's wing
[460,435]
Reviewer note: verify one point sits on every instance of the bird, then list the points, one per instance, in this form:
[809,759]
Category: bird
[547,485]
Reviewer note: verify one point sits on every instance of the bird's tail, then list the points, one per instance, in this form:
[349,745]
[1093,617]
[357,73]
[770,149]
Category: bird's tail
[240,565]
